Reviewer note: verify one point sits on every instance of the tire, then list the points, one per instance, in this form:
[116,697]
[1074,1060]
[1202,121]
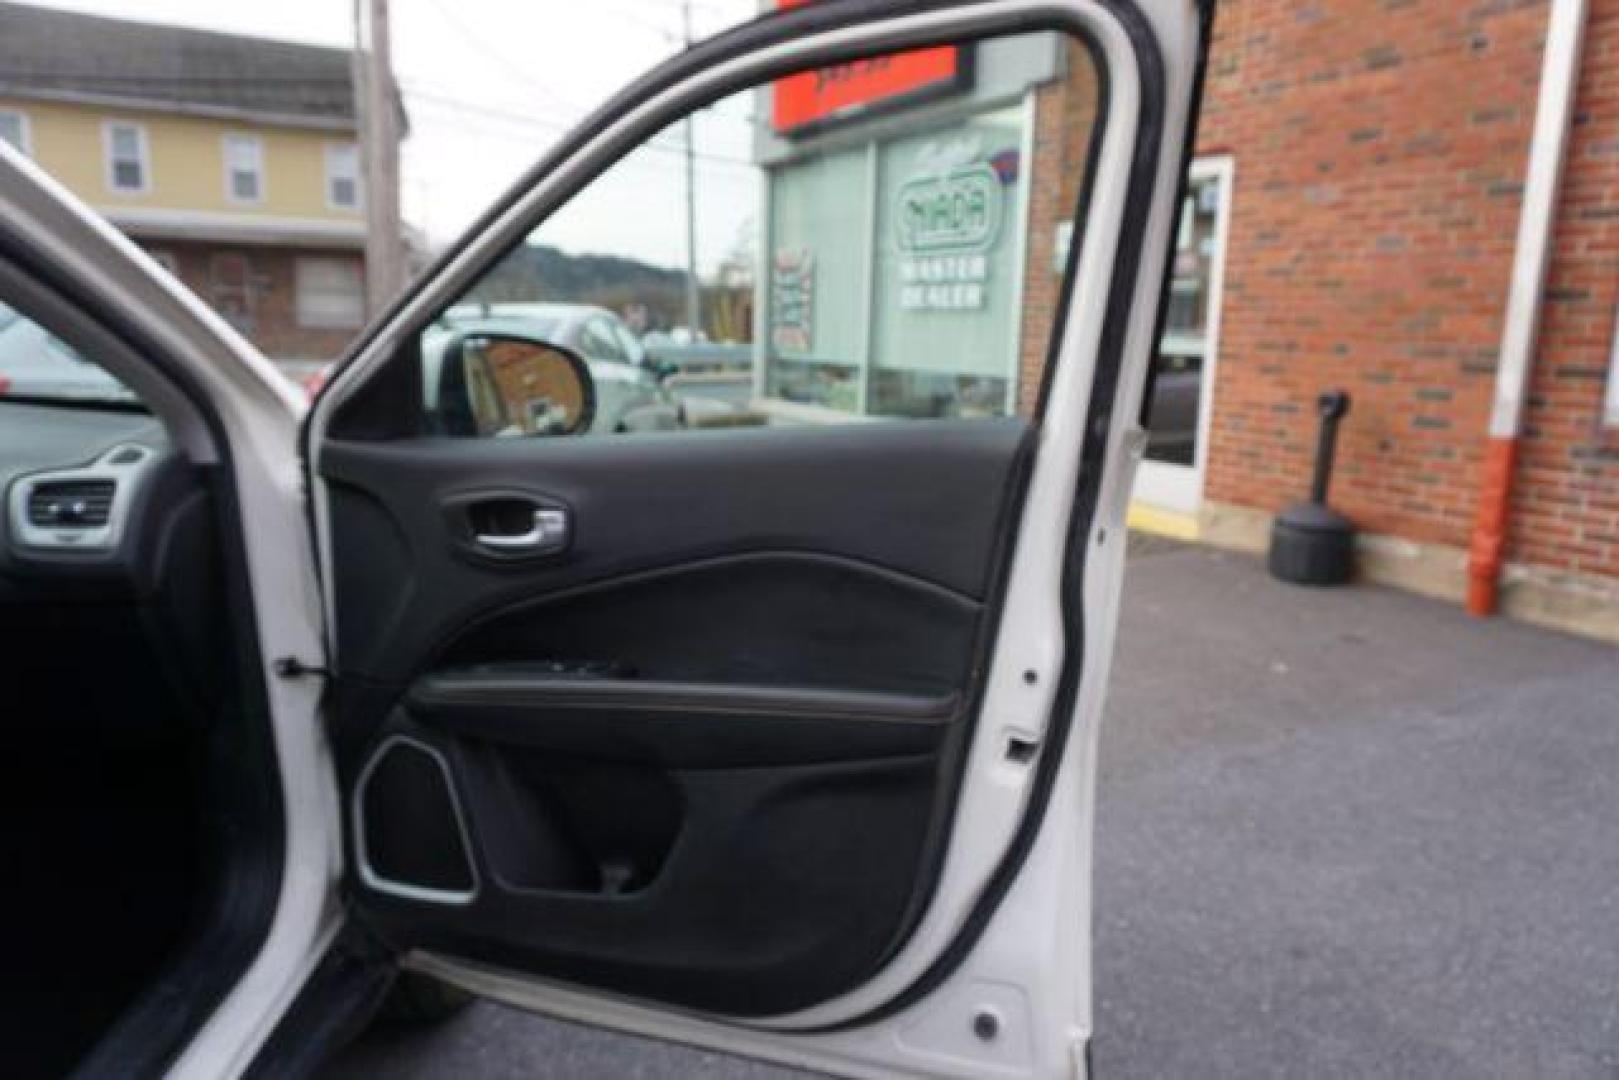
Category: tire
[420,1000]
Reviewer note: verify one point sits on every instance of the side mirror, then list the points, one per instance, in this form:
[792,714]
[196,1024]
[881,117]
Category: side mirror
[505,385]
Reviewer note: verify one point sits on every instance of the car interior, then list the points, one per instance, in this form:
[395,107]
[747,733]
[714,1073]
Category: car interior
[131,843]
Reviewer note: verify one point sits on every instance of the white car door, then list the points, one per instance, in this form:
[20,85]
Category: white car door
[780,739]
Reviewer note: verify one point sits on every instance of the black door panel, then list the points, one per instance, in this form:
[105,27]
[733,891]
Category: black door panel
[784,619]
[701,753]
[677,724]
[924,499]
[745,891]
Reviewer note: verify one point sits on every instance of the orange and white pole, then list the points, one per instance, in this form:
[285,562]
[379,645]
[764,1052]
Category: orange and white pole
[1559,79]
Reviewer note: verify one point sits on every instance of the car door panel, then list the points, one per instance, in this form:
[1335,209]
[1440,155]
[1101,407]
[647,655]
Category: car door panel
[698,756]
[917,501]
[776,734]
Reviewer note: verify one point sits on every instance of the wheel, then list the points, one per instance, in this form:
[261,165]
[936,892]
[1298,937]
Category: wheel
[422,999]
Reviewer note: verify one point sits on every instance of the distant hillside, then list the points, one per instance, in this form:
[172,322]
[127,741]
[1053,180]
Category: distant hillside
[540,272]
[648,297]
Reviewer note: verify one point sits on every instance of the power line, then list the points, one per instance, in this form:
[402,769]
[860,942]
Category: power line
[473,38]
[527,120]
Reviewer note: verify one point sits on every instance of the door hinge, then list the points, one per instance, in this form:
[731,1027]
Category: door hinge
[290,667]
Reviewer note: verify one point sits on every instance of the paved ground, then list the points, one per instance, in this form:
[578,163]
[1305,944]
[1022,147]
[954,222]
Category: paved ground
[1341,833]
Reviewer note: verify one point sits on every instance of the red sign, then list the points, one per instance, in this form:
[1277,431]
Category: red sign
[842,90]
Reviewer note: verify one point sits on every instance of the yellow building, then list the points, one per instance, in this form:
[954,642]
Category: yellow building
[233,160]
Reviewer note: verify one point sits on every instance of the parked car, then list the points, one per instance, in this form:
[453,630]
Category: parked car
[34,363]
[629,391]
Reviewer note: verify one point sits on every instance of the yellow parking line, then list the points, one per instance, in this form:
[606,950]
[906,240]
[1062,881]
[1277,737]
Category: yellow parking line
[1160,522]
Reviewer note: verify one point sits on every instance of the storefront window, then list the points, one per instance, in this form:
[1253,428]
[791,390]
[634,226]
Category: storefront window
[898,238]
[948,269]
[820,233]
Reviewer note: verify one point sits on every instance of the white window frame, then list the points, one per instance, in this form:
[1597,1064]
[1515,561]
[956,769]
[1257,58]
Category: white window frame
[299,316]
[255,144]
[333,151]
[143,156]
[25,130]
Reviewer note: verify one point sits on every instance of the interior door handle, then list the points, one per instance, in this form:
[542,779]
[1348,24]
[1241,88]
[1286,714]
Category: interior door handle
[548,532]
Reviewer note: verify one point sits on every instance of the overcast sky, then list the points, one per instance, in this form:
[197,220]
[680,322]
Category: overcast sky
[490,84]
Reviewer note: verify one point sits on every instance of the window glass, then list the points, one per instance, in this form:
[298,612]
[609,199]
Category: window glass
[598,342]
[864,245]
[343,175]
[36,365]
[244,168]
[629,344]
[330,294]
[947,279]
[821,240]
[14,129]
[126,151]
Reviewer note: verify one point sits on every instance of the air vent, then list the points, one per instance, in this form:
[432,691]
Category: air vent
[71,504]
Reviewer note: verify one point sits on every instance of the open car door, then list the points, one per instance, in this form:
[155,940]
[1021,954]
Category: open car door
[772,730]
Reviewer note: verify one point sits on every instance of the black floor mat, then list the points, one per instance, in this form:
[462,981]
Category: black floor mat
[98,856]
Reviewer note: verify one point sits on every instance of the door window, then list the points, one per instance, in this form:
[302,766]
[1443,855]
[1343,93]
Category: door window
[869,254]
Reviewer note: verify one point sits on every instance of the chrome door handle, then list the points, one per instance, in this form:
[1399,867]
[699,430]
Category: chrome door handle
[549,532]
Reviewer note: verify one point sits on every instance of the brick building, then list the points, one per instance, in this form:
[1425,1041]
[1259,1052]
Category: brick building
[1368,162]
[1379,158]
[233,160]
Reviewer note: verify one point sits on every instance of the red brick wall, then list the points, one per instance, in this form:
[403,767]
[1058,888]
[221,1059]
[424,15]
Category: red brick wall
[1065,117]
[1379,152]
[272,322]
[1565,509]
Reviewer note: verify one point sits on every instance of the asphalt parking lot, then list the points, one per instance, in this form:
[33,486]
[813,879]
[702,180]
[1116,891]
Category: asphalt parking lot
[1347,832]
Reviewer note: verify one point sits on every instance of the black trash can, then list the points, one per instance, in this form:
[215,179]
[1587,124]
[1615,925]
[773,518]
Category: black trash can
[1311,543]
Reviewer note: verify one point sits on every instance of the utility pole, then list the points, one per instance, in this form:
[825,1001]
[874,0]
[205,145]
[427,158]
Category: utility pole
[375,99]
[694,310]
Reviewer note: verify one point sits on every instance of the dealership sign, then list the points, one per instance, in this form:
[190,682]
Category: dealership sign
[944,222]
[812,99]
[955,210]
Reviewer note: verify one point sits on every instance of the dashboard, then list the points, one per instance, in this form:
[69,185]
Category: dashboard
[90,494]
[112,597]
